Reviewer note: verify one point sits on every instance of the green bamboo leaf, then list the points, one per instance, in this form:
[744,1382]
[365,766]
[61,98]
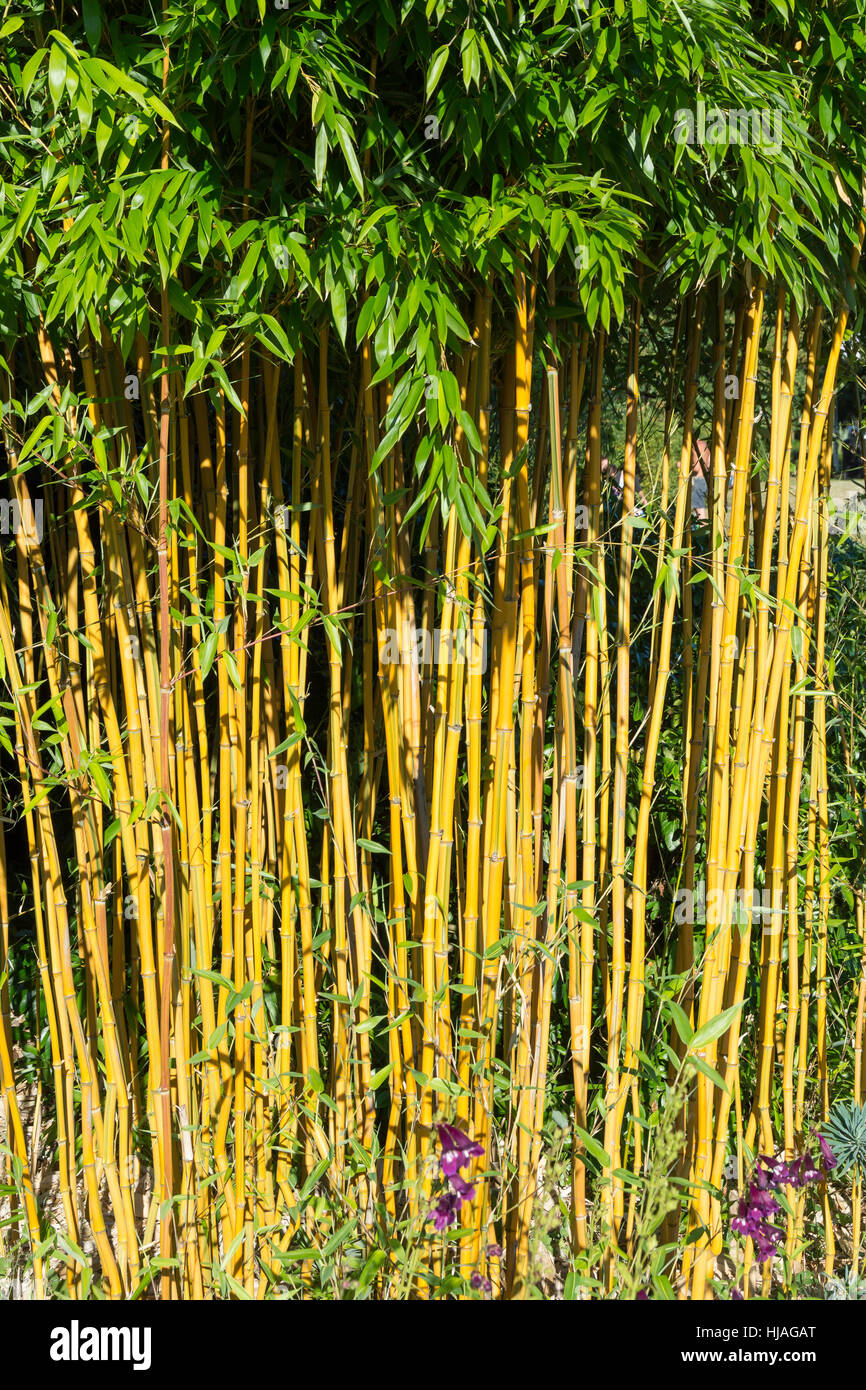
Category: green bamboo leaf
[681,1022]
[371,1268]
[345,139]
[714,1027]
[435,70]
[57,64]
[239,996]
[321,154]
[92,11]
[215,979]
[207,652]
[231,667]
[100,781]
[710,1072]
[338,308]
[592,1146]
[381,1076]
[471,431]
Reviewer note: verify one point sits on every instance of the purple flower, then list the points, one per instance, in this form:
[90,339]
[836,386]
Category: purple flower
[762,1201]
[766,1240]
[802,1171]
[776,1169]
[494,1251]
[642,1295]
[457,1149]
[446,1210]
[830,1159]
[478,1281]
[762,1177]
[755,1210]
[746,1222]
[464,1190]
[737,1294]
[753,1220]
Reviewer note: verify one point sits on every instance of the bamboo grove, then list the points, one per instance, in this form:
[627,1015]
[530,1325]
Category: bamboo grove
[322,328]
